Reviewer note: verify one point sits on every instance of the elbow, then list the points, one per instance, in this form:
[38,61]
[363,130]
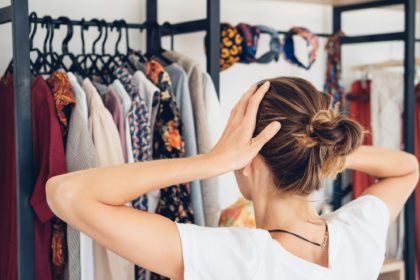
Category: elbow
[414,163]
[414,167]
[61,197]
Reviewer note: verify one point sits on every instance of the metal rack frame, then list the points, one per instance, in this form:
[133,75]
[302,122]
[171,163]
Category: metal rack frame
[17,13]
[408,37]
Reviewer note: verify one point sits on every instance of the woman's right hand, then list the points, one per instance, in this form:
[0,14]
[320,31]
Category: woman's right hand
[236,147]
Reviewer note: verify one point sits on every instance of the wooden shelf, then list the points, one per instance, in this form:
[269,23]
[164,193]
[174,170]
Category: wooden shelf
[392,270]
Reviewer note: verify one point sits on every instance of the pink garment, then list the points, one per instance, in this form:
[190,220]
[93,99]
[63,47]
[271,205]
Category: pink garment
[113,104]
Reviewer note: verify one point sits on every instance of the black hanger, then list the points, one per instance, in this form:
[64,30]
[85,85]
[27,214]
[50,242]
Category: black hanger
[90,60]
[51,61]
[170,27]
[123,58]
[38,58]
[156,50]
[45,63]
[74,64]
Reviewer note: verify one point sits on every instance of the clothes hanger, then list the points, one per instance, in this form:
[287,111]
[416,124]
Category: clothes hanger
[74,64]
[123,58]
[170,27]
[108,62]
[53,56]
[156,51]
[33,62]
[90,60]
[47,60]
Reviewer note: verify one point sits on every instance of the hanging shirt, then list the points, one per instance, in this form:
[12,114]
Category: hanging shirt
[387,95]
[49,161]
[64,101]
[150,94]
[138,117]
[8,208]
[174,202]
[114,106]
[360,111]
[125,100]
[181,91]
[357,234]
[196,85]
[139,121]
[80,155]
[104,133]
[63,97]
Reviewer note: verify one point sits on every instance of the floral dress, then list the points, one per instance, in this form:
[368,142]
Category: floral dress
[174,202]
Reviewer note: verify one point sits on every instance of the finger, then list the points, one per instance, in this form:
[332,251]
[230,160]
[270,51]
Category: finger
[240,107]
[266,134]
[255,101]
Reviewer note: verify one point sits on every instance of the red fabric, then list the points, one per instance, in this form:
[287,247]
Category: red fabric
[417,191]
[360,111]
[49,161]
[8,226]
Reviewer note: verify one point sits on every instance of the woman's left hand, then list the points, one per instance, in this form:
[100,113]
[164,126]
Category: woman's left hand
[236,147]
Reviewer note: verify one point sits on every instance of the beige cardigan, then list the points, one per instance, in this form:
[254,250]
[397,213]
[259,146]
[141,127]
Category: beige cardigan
[104,133]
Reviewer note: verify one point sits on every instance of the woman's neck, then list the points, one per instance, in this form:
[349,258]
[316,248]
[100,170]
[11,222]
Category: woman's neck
[274,210]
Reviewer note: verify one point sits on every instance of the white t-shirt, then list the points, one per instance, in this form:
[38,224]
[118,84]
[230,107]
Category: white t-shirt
[357,234]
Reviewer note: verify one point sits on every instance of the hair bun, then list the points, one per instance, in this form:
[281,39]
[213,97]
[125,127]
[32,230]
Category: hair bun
[329,128]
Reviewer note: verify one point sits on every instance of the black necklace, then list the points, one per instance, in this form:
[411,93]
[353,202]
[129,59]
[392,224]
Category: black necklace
[322,245]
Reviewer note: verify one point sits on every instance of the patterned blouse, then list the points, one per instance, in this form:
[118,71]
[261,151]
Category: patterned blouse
[174,202]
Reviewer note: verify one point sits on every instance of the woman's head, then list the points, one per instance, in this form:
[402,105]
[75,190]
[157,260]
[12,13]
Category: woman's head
[314,137]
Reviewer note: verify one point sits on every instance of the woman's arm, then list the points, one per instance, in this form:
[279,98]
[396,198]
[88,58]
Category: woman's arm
[93,200]
[397,173]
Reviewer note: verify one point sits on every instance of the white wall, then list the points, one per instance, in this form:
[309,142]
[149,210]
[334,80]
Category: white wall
[236,79]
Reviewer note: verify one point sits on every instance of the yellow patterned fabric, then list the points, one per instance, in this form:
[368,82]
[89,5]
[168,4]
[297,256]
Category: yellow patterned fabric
[239,214]
[231,46]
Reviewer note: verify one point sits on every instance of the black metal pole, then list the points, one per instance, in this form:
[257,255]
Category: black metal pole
[23,128]
[151,16]
[5,14]
[338,182]
[213,42]
[369,5]
[409,108]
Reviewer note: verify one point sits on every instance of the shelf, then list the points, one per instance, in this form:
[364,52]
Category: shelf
[342,2]
[392,269]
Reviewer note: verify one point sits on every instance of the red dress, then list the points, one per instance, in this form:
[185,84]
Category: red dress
[360,111]
[49,161]
[8,226]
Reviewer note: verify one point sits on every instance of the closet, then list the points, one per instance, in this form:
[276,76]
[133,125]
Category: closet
[17,13]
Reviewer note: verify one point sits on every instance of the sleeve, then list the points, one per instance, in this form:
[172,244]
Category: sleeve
[368,216]
[218,253]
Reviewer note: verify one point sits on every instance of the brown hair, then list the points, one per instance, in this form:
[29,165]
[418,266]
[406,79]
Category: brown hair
[314,137]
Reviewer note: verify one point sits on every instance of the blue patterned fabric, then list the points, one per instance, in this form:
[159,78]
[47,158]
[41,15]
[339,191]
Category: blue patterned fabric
[138,118]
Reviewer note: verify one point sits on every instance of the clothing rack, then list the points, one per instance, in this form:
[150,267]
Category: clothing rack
[408,37]
[17,13]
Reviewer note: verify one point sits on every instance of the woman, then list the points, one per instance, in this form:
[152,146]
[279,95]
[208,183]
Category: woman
[278,169]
